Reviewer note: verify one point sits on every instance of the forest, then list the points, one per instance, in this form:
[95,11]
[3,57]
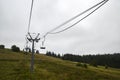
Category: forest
[110,60]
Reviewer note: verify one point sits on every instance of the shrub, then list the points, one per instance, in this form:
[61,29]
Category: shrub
[93,63]
[82,65]
[106,66]
[85,65]
[2,46]
[15,48]
[79,64]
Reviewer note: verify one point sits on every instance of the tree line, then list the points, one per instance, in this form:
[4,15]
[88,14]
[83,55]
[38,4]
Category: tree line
[13,48]
[111,60]
[49,53]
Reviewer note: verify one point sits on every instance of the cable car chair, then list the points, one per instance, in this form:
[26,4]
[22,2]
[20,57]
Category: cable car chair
[43,47]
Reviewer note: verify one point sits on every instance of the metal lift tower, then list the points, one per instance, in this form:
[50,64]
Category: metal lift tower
[36,39]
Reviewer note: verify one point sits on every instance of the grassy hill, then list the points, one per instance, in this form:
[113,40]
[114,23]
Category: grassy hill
[16,66]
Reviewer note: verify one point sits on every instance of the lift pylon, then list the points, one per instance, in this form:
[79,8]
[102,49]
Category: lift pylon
[36,39]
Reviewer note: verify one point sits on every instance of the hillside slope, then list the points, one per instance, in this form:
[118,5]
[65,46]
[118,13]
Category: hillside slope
[16,66]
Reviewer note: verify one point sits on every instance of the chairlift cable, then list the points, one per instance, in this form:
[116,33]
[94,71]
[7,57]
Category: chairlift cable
[100,4]
[30,16]
[75,17]
[78,20]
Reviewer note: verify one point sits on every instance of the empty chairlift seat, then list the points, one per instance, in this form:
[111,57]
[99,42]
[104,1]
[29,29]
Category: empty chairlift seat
[42,47]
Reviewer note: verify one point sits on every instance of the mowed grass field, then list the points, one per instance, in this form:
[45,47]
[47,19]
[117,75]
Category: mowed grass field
[16,66]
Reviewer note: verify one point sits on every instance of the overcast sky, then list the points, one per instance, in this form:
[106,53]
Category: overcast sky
[99,33]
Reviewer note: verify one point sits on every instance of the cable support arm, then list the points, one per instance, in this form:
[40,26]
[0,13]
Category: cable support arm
[37,35]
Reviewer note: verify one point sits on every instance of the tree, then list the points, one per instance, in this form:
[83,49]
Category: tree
[58,56]
[15,48]
[48,53]
[2,46]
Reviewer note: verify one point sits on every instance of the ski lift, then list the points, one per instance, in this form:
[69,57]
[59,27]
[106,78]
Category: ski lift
[43,47]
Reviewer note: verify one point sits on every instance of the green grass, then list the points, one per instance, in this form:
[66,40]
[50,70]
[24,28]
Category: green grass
[16,66]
